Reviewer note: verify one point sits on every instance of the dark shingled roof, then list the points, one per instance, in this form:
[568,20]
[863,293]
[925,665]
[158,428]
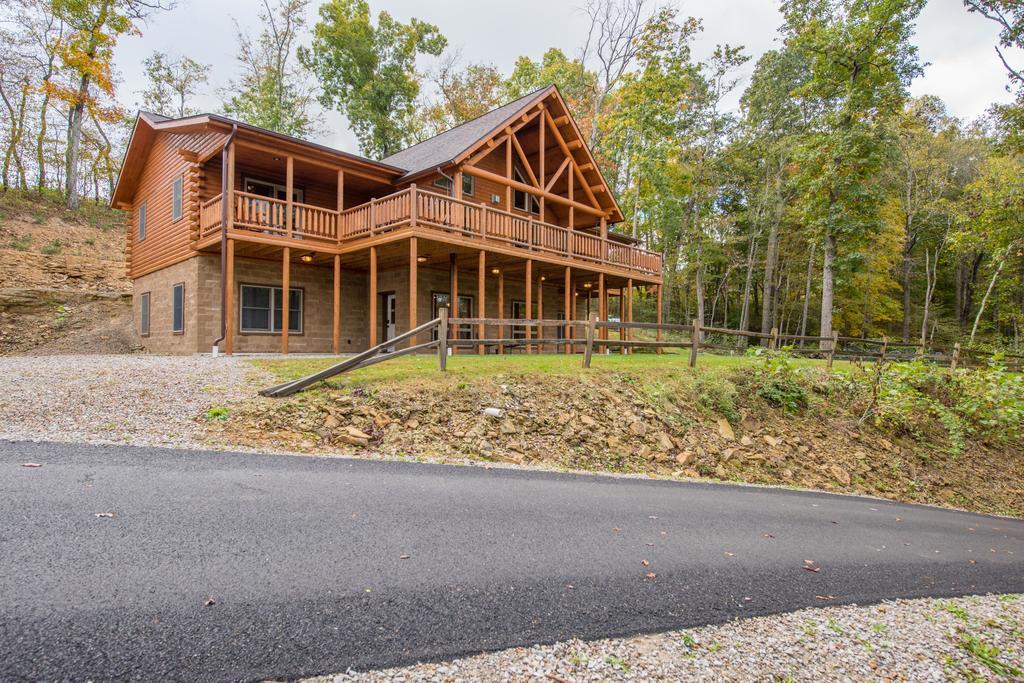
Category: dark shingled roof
[444,147]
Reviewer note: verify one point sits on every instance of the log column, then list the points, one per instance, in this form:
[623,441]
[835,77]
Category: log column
[481,295]
[501,309]
[529,303]
[286,283]
[540,313]
[568,309]
[336,312]
[413,283]
[622,317]
[453,297]
[629,311]
[659,317]
[373,296]
[602,307]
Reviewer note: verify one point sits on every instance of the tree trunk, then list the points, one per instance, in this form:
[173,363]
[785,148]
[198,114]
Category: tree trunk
[747,285]
[908,268]
[699,281]
[827,292]
[984,300]
[770,260]
[807,294]
[75,143]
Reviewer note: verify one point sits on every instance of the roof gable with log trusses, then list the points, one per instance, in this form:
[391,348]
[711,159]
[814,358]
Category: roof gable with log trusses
[538,138]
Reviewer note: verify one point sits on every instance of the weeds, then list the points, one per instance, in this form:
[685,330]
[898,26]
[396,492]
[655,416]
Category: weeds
[20,243]
[52,248]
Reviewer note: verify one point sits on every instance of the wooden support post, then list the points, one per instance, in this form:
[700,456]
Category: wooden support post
[413,285]
[336,313]
[453,288]
[373,296]
[694,343]
[286,277]
[501,309]
[289,191]
[629,311]
[622,318]
[229,300]
[442,338]
[832,348]
[529,303]
[230,199]
[659,318]
[413,205]
[568,308]
[508,173]
[885,347]
[481,297]
[602,308]
[540,313]
[589,351]
[341,194]
[955,359]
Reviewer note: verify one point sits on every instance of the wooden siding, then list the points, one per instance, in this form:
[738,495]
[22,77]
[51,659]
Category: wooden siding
[167,241]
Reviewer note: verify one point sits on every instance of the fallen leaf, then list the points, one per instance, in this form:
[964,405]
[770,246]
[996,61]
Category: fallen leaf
[651,575]
[616,529]
[569,586]
[768,536]
[210,601]
[812,569]
[403,557]
[824,597]
[728,554]
[651,517]
[645,563]
[30,464]
[104,514]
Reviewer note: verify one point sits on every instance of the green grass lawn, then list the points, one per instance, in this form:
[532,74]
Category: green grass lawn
[471,366]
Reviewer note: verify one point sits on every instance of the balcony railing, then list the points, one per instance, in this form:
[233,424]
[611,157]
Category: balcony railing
[264,216]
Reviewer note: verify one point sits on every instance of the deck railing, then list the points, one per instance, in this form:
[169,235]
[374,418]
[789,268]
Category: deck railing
[417,207]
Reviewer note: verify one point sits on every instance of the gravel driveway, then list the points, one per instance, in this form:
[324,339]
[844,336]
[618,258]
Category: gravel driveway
[142,400]
[974,638]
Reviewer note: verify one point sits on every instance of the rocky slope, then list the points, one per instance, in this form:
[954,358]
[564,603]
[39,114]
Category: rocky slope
[63,286]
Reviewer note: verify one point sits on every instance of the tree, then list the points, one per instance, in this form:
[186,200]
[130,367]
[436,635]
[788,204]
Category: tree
[369,72]
[574,81]
[860,63]
[94,27]
[462,94]
[172,81]
[273,91]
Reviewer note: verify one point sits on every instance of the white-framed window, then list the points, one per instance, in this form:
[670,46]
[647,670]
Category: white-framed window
[261,309]
[142,221]
[144,314]
[178,308]
[176,197]
[468,185]
[524,201]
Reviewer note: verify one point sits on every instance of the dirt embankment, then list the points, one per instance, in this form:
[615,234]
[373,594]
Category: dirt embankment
[63,285]
[667,424]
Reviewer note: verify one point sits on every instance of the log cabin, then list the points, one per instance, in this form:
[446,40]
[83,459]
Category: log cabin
[505,216]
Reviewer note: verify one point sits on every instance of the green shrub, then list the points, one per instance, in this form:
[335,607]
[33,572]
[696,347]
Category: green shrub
[777,381]
[21,243]
[718,394]
[52,248]
[217,413]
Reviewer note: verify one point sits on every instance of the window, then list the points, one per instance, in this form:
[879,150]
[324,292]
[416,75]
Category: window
[261,309]
[178,308]
[524,201]
[468,185]
[142,221]
[176,190]
[144,314]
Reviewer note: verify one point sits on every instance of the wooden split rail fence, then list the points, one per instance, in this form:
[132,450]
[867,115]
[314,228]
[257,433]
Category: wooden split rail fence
[595,334]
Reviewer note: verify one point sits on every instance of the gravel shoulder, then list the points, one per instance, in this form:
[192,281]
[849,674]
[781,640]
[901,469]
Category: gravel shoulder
[129,399]
[972,638]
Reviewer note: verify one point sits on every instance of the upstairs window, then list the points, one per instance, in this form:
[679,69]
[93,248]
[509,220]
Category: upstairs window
[176,190]
[524,201]
[468,185]
[142,221]
[178,309]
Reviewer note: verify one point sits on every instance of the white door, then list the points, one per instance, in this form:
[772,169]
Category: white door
[390,319]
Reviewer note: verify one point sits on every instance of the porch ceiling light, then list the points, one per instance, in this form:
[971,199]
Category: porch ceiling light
[422,259]
[587,285]
[306,258]
[543,278]
[495,271]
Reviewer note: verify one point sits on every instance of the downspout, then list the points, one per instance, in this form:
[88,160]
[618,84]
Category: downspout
[451,187]
[224,238]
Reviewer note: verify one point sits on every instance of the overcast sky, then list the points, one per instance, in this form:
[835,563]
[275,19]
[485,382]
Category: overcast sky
[963,67]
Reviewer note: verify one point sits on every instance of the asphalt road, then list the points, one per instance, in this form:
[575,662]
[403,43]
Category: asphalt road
[219,566]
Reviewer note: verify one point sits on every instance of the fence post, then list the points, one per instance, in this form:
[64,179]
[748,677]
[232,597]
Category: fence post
[694,343]
[956,357]
[442,338]
[591,326]
[773,343]
[885,347]
[832,348]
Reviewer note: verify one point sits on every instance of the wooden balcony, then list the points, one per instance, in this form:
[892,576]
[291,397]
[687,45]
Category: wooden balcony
[419,208]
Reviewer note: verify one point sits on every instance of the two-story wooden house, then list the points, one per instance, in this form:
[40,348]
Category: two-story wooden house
[505,216]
